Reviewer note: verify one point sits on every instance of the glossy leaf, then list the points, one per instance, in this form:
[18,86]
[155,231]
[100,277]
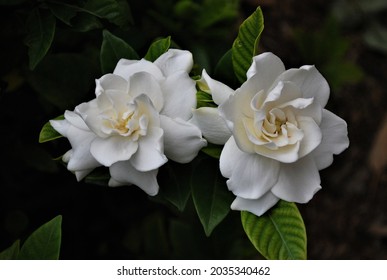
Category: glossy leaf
[11,252]
[213,150]
[64,79]
[279,234]
[62,11]
[157,48]
[245,45]
[40,34]
[112,50]
[211,197]
[224,69]
[44,243]
[204,99]
[174,183]
[48,133]
[117,12]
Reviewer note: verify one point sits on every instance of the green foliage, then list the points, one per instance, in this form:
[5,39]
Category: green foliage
[41,30]
[174,180]
[112,50]
[246,44]
[11,252]
[157,48]
[210,194]
[279,234]
[43,244]
[48,133]
[63,79]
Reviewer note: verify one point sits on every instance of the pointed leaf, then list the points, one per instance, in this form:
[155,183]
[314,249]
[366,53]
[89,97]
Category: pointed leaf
[117,12]
[43,243]
[174,183]
[224,69]
[11,252]
[210,194]
[157,48]
[41,30]
[48,133]
[112,50]
[278,234]
[245,45]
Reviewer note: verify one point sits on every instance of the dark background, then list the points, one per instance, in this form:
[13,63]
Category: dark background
[347,219]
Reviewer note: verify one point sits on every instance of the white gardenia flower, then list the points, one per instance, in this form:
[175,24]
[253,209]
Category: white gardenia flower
[281,135]
[139,118]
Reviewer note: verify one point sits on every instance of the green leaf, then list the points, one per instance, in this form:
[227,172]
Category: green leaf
[174,183]
[11,252]
[278,234]
[204,99]
[116,12]
[48,133]
[112,50]
[44,243]
[62,11]
[41,30]
[99,176]
[64,79]
[157,48]
[245,46]
[213,150]
[224,69]
[210,194]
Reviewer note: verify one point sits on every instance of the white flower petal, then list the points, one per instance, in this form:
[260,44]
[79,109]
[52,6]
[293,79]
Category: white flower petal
[256,206]
[251,175]
[80,157]
[123,173]
[231,111]
[310,82]
[182,140]
[334,139]
[150,153]
[145,83]
[179,96]
[126,68]
[115,148]
[174,60]
[286,154]
[214,128]
[265,68]
[298,181]
[312,135]
[219,91]
[110,81]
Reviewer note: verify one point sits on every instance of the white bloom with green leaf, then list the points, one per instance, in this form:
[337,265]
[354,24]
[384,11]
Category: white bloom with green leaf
[281,134]
[138,119]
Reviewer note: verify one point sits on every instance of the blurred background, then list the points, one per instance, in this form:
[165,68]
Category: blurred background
[345,39]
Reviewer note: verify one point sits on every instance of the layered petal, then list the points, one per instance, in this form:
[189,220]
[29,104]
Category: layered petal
[182,140]
[174,60]
[298,181]
[123,173]
[256,206]
[310,81]
[214,128]
[219,91]
[145,83]
[127,68]
[334,139]
[251,175]
[179,95]
[265,68]
[150,152]
[110,150]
